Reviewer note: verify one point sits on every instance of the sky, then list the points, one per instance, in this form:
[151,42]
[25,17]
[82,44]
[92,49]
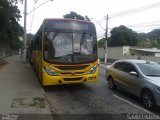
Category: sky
[138,15]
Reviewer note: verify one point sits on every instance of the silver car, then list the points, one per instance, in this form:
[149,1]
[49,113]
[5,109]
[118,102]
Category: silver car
[139,77]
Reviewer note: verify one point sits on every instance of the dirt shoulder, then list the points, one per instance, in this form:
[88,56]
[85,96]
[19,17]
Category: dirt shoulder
[2,63]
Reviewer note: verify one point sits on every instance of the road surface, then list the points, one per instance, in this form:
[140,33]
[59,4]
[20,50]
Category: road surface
[92,101]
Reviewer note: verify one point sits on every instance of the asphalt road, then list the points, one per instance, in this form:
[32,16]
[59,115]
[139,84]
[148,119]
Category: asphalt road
[92,101]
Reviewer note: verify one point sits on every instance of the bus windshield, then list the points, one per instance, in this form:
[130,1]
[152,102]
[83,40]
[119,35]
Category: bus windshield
[70,47]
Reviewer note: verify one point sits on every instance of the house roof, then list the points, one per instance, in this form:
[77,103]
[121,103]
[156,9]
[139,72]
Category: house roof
[147,50]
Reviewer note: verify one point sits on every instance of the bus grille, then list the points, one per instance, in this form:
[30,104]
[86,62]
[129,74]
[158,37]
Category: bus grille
[72,73]
[72,67]
[72,79]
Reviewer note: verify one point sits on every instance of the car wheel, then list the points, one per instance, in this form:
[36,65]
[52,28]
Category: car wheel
[148,99]
[111,84]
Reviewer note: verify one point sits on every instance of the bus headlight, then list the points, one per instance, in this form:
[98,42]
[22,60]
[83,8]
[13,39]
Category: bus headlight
[49,71]
[92,70]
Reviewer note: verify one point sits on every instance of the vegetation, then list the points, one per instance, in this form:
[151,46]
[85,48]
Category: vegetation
[10,29]
[122,35]
[74,15]
[154,38]
[151,39]
[101,43]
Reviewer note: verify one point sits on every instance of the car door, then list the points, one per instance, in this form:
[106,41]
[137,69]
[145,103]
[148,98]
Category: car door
[118,74]
[130,82]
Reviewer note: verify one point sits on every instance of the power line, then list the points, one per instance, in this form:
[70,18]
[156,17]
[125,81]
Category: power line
[150,26]
[97,22]
[35,2]
[133,11]
[146,24]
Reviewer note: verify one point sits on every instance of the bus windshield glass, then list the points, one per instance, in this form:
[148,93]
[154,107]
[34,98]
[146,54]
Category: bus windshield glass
[70,47]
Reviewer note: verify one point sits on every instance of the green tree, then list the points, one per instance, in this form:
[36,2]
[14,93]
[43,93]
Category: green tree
[121,36]
[10,30]
[151,39]
[74,15]
[154,37]
[154,34]
[101,42]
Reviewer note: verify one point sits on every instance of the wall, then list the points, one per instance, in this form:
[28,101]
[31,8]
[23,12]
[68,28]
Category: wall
[155,59]
[114,51]
[142,53]
[5,53]
[101,52]
[119,53]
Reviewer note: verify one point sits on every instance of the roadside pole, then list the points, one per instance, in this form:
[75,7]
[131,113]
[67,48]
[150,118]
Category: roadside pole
[106,46]
[25,32]
[25,28]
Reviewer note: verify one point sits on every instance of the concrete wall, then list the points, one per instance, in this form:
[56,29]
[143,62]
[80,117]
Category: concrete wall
[142,53]
[114,51]
[155,59]
[118,53]
[157,54]
[101,52]
[5,53]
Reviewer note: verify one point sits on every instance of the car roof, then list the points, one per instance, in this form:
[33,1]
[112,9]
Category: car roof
[136,61]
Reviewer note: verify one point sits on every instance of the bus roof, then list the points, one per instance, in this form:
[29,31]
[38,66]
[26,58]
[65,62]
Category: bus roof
[66,19]
[65,24]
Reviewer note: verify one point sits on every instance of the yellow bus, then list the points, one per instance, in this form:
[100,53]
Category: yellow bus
[64,51]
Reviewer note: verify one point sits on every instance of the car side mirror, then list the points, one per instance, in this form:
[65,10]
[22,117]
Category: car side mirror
[133,73]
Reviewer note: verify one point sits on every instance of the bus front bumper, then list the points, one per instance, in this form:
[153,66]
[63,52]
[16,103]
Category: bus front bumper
[57,80]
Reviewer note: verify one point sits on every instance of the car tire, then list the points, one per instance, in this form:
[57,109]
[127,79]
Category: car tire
[148,100]
[111,84]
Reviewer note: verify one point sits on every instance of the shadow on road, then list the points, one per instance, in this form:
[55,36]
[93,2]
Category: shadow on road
[69,87]
[133,99]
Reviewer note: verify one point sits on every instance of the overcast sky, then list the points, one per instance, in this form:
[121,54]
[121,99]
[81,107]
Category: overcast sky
[139,15]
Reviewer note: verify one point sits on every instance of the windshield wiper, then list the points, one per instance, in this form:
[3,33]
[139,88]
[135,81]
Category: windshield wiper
[76,53]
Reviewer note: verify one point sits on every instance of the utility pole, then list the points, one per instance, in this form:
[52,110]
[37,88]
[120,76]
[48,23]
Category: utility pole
[25,28]
[25,32]
[106,46]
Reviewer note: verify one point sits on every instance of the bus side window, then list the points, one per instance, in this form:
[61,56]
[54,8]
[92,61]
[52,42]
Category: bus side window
[33,45]
[38,41]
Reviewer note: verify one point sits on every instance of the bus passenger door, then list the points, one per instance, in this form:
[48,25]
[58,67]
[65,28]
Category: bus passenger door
[38,54]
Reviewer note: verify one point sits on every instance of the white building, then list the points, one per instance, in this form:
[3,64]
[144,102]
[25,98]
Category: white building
[145,52]
[127,52]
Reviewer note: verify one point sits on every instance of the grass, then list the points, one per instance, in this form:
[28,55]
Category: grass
[39,102]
